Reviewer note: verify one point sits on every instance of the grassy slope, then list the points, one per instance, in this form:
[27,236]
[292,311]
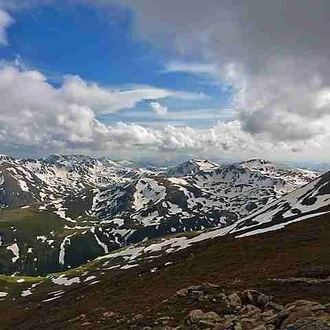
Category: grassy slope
[236,263]
[24,225]
[28,224]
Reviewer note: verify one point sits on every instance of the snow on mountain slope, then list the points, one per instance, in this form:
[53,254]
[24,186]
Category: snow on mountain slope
[157,206]
[291,175]
[311,201]
[191,167]
[102,204]
[212,196]
[45,180]
[306,202]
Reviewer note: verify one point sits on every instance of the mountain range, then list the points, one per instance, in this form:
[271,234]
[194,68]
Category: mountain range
[61,211]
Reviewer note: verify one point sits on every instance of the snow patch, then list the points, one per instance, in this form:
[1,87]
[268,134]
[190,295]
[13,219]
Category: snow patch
[23,185]
[66,241]
[26,293]
[62,280]
[15,250]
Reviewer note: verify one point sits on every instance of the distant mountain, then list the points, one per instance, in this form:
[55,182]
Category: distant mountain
[209,196]
[192,166]
[76,208]
[28,181]
[311,201]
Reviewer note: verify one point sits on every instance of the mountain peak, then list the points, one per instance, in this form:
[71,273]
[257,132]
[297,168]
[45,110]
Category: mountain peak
[193,166]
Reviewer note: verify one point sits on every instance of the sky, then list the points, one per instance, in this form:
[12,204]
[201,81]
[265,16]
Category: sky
[166,80]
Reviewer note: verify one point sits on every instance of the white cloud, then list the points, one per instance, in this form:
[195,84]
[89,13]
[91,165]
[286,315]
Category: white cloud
[159,109]
[193,117]
[275,55]
[193,68]
[108,100]
[36,115]
[5,22]
[38,118]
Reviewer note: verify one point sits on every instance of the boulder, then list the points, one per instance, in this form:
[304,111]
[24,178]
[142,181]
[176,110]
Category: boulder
[297,310]
[256,298]
[182,293]
[251,312]
[208,320]
[195,316]
[235,300]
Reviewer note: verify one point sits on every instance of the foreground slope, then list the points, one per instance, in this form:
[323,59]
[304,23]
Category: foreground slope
[119,298]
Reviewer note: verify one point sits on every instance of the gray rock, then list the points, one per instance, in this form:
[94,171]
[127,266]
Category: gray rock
[208,320]
[294,312]
[195,316]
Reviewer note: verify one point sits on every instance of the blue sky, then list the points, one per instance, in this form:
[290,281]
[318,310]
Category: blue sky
[101,46]
[165,79]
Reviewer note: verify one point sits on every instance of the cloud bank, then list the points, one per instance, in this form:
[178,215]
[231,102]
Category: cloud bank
[34,113]
[37,116]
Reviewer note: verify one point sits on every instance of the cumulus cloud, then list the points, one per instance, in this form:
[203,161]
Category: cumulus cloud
[35,113]
[159,109]
[5,22]
[37,116]
[275,54]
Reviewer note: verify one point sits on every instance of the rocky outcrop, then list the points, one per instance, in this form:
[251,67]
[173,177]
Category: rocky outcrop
[247,310]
